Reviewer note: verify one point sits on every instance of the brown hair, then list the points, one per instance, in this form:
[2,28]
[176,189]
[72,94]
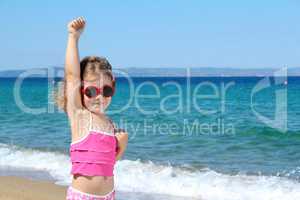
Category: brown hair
[88,65]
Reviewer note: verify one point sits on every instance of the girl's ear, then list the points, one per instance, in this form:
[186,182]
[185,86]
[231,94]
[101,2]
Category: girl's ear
[113,81]
[114,85]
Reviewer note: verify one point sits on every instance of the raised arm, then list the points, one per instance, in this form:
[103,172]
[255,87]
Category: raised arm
[72,66]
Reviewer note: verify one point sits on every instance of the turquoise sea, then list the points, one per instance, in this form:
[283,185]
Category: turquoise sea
[210,138]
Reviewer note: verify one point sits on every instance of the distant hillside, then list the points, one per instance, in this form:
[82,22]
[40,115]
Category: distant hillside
[156,72]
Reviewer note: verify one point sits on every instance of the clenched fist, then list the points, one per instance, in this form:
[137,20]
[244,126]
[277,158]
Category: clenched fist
[76,27]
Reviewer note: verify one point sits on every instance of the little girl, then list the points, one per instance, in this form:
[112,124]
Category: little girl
[96,145]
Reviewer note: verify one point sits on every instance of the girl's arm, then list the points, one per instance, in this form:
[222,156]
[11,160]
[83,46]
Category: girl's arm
[122,138]
[72,66]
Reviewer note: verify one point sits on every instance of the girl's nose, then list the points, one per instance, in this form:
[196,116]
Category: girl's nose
[99,98]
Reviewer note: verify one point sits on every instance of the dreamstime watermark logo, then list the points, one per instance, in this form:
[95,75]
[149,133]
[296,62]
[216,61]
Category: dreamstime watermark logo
[280,120]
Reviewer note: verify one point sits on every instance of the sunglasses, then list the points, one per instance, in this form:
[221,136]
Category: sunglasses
[93,91]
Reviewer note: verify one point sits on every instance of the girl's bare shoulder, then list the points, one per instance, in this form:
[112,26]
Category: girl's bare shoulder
[82,112]
[79,123]
[79,116]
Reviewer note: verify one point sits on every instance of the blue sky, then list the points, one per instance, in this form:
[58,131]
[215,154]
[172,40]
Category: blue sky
[162,33]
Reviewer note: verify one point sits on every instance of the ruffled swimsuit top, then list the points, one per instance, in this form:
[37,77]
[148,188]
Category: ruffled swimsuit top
[94,154]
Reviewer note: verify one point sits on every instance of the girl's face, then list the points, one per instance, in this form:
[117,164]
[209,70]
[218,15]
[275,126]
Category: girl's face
[99,103]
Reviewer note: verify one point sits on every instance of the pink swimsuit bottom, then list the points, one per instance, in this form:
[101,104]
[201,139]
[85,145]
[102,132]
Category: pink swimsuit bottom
[74,194]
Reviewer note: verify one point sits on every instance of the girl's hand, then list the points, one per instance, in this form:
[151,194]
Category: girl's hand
[122,138]
[76,27]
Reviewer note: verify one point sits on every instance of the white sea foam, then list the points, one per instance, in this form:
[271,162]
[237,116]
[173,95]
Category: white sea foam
[56,164]
[136,176]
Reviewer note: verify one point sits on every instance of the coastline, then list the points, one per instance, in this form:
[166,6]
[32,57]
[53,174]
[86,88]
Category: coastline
[19,188]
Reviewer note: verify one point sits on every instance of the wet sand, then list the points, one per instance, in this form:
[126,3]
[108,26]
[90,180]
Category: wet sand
[18,188]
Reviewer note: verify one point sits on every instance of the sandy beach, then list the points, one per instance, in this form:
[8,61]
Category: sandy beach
[18,188]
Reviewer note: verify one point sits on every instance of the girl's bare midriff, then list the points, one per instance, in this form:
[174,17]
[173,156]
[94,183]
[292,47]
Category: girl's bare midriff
[97,185]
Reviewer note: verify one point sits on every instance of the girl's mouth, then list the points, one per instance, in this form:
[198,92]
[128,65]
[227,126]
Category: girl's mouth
[98,104]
